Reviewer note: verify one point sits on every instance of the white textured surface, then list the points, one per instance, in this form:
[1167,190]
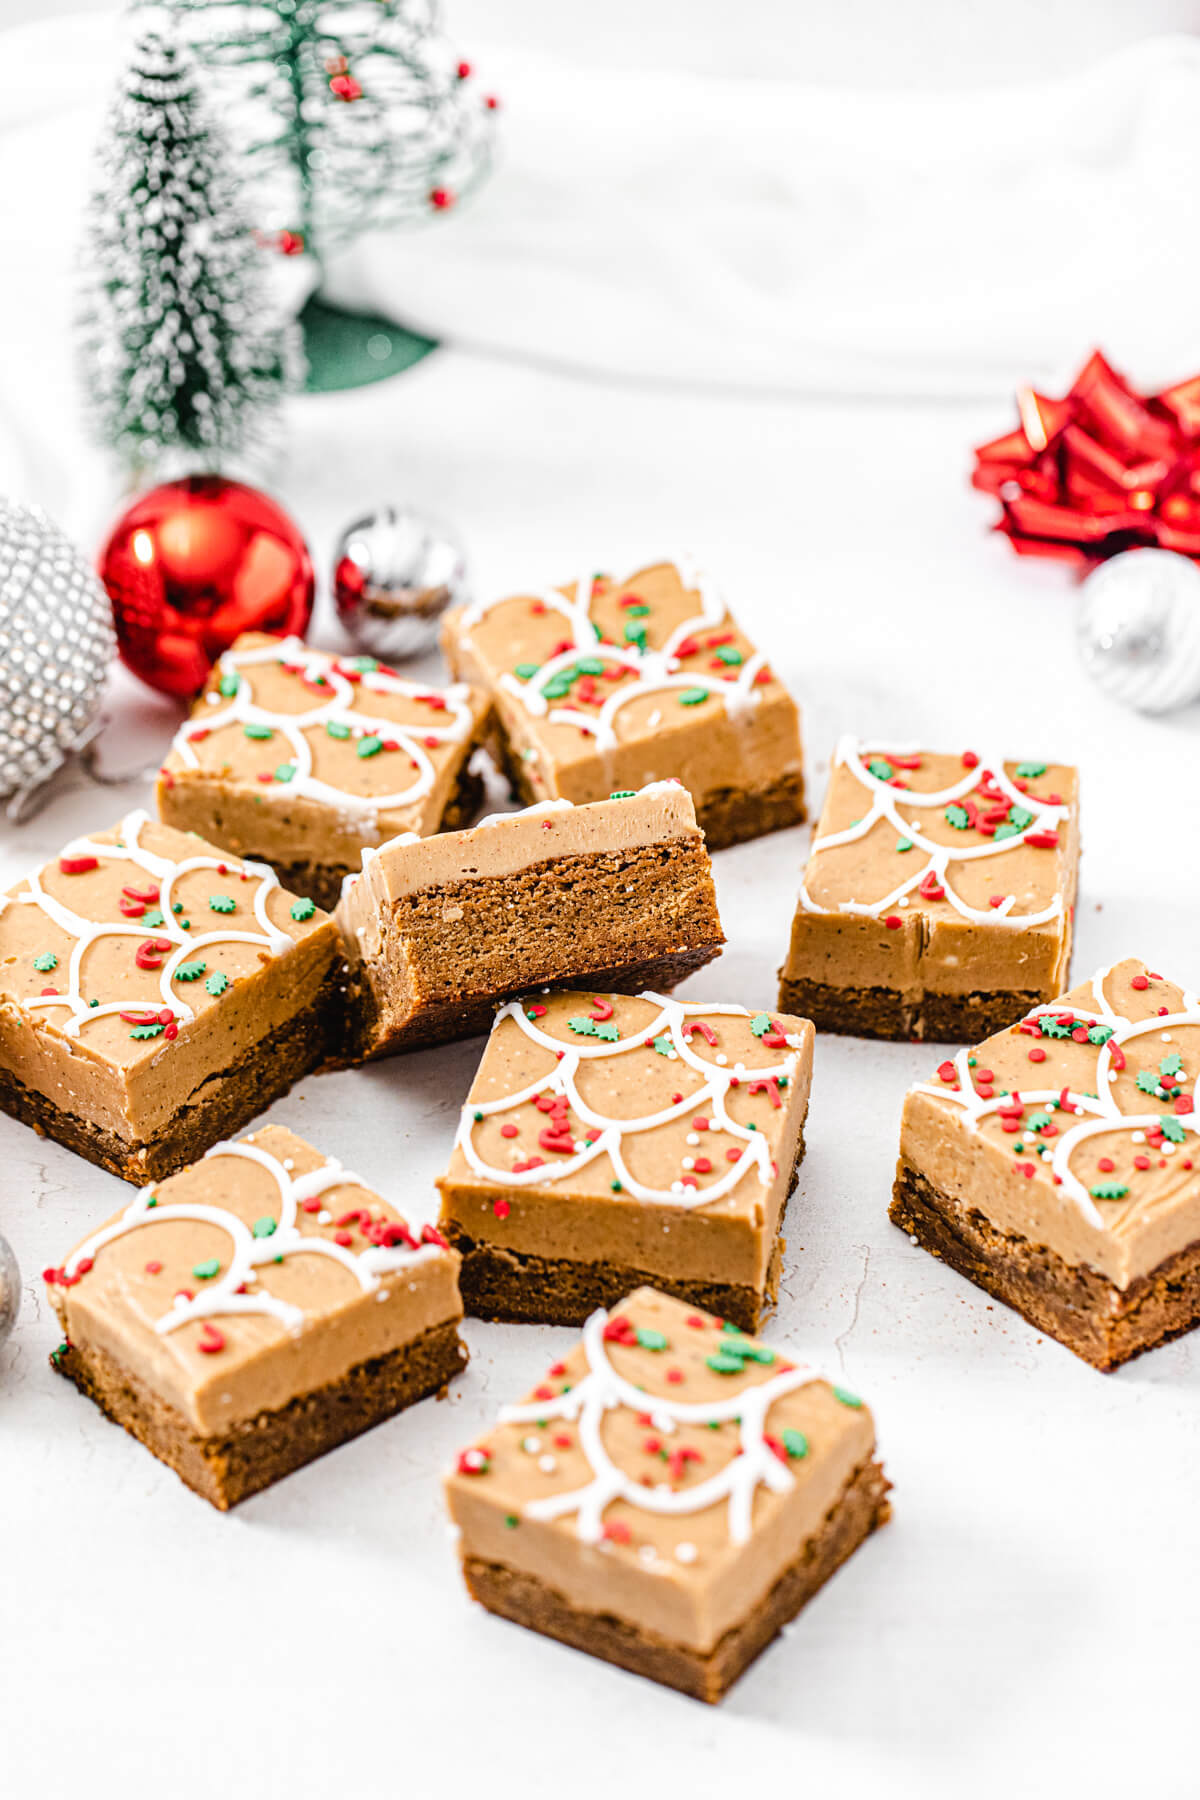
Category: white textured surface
[1027,1621]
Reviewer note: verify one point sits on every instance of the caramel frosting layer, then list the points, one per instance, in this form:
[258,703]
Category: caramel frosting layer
[666,1470]
[337,748]
[632,679]
[263,1272]
[633,1109]
[507,843]
[142,959]
[953,857]
[1077,1128]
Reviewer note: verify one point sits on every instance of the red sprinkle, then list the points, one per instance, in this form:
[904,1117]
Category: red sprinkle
[154,1268]
[970,760]
[501,1208]
[1139,982]
[893,921]
[77,865]
[210,1340]
[1037,1055]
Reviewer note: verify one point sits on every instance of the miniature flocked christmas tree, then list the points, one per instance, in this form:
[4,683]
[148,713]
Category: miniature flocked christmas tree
[185,360]
[352,113]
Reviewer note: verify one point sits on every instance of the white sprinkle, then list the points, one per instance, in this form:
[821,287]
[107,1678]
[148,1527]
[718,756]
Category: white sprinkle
[722,1060]
[1167,1038]
[531,1445]
[647,1555]
[289,1162]
[655,718]
[689,1162]
[693,1137]
[685,1553]
[324,1218]
[382,1294]
[547,1464]
[1139,1137]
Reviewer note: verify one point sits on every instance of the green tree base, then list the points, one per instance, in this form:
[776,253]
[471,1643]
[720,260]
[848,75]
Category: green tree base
[349,350]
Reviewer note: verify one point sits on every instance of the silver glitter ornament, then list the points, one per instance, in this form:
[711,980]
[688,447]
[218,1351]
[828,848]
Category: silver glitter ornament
[394,575]
[56,642]
[10,1289]
[1139,629]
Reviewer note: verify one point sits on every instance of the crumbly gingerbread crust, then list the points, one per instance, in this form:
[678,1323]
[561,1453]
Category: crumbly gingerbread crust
[225,1470]
[882,1013]
[622,921]
[861,1508]
[1102,1323]
[229,1099]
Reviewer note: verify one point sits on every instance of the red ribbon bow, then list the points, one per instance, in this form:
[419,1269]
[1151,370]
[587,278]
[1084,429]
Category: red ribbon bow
[1103,469]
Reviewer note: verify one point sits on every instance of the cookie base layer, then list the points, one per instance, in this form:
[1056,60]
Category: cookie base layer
[860,1509]
[225,1470]
[512,1287]
[227,1100]
[725,815]
[1102,1323]
[881,1013]
[618,921]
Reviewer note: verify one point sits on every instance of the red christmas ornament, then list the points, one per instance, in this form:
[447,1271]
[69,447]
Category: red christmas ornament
[192,564]
[1101,470]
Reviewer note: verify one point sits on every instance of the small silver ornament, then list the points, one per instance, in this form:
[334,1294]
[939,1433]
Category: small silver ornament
[56,642]
[394,575]
[1139,629]
[10,1288]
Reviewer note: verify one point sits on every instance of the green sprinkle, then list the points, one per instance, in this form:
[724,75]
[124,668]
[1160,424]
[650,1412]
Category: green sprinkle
[1172,1129]
[1038,1122]
[228,686]
[590,665]
[616,1187]
[153,1200]
[846,1397]
[880,768]
[664,1046]
[222,903]
[584,1027]
[185,924]
[190,971]
[693,696]
[177,906]
[1148,1083]
[957,816]
[264,1227]
[217,982]
[760,1024]
[640,611]
[369,746]
[527,671]
[722,1363]
[303,909]
[337,728]
[636,635]
[147,1031]
[1029,771]
[153,919]
[652,1340]
[730,655]
[204,1271]
[285,771]
[1170,1065]
[1020,816]
[1052,1029]
[1007,831]
[1099,1034]
[795,1442]
[45,962]
[511,1521]
[730,1329]
[558,687]
[93,1003]
[757,1353]
[1109,1190]
[258,731]
[363,665]
[904,843]
[478,1116]
[623,794]
[57,1357]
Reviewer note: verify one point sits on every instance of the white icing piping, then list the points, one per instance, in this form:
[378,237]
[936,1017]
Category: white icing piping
[561,1080]
[602,1389]
[884,802]
[341,709]
[250,1252]
[1103,1112]
[88,931]
[656,670]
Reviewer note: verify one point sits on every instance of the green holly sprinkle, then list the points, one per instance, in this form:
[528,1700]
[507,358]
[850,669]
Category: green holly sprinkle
[623,794]
[1020,816]
[795,1442]
[652,1340]
[228,686]
[1172,1129]
[730,655]
[1007,831]
[636,635]
[258,731]
[264,1227]
[846,1397]
[285,771]
[190,971]
[957,816]
[880,768]
[1170,1065]
[369,746]
[589,665]
[1109,1190]
[336,728]
[152,919]
[147,1031]
[760,1024]
[1099,1034]
[1148,1083]
[217,982]
[904,843]
[589,1028]
[222,903]
[693,696]
[664,1046]
[558,687]
[204,1271]
[527,671]
[45,962]
[1029,771]
[303,909]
